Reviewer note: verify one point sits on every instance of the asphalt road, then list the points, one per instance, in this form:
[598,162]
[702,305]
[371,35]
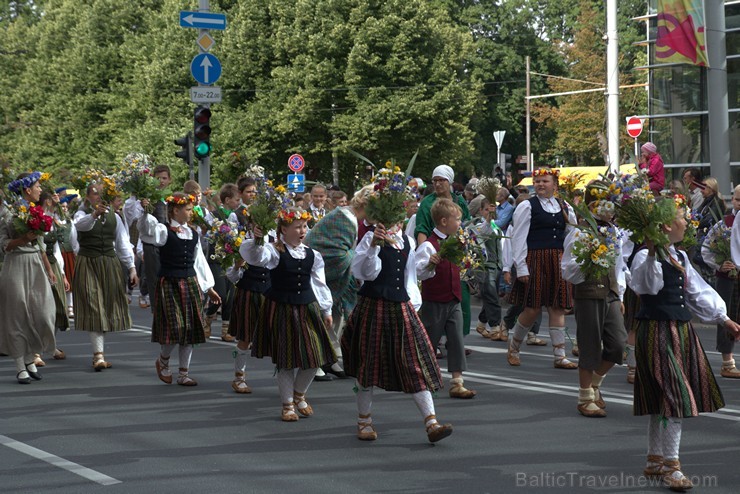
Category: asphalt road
[122,428]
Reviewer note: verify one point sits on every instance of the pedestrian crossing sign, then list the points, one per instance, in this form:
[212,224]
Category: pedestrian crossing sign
[296,182]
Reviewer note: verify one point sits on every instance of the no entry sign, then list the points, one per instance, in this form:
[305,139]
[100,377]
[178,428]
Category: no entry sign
[634,127]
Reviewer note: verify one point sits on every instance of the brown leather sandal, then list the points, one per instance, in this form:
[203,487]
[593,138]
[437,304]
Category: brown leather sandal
[239,384]
[365,429]
[435,430]
[301,405]
[163,369]
[512,356]
[458,390]
[184,379]
[561,362]
[288,413]
[59,355]
[680,484]
[654,471]
[99,362]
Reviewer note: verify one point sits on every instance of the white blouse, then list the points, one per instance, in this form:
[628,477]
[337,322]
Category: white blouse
[366,264]
[268,257]
[158,233]
[84,222]
[701,299]
[423,253]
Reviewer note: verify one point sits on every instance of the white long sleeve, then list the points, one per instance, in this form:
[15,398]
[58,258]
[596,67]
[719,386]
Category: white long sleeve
[507,257]
[706,253]
[701,299]
[318,283]
[83,222]
[234,274]
[152,229]
[132,210]
[202,270]
[424,270]
[366,265]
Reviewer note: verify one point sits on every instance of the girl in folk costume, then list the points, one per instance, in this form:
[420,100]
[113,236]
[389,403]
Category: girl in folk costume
[252,282]
[292,326]
[598,310]
[728,282]
[537,246]
[27,313]
[98,289]
[384,343]
[183,277]
[674,379]
[54,254]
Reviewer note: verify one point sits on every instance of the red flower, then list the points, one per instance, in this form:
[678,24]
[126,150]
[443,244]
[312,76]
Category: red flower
[34,223]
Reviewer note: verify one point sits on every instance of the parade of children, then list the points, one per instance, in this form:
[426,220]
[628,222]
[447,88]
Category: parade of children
[356,301]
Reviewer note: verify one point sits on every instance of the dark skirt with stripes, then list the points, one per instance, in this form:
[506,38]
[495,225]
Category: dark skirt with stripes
[294,336]
[674,378]
[100,302]
[385,345]
[69,265]
[546,286]
[60,299]
[631,308]
[244,313]
[178,312]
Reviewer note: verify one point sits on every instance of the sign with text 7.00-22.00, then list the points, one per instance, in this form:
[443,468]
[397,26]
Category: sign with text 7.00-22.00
[205,94]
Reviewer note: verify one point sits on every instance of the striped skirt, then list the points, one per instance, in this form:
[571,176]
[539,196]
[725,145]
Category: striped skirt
[100,302]
[60,299]
[294,336]
[178,312]
[631,308]
[244,313]
[674,378]
[385,345]
[546,286]
[69,265]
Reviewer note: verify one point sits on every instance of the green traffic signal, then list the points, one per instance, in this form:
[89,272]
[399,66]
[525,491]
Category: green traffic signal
[202,132]
[203,149]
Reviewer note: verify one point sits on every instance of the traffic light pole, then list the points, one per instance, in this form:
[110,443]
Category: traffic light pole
[204,164]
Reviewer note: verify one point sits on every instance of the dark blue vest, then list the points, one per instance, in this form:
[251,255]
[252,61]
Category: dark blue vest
[668,304]
[255,279]
[389,284]
[291,280]
[546,230]
[177,256]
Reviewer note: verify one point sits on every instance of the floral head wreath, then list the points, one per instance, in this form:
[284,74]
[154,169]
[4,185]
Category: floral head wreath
[541,172]
[181,200]
[287,217]
[19,185]
[680,201]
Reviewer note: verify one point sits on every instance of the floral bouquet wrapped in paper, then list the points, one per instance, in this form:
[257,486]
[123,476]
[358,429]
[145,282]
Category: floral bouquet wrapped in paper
[719,238]
[387,204]
[135,178]
[226,238]
[269,202]
[462,250]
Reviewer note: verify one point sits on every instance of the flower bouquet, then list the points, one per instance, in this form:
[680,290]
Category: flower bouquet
[270,200]
[489,187]
[462,250]
[226,238]
[596,250]
[30,217]
[568,185]
[720,239]
[387,204]
[135,178]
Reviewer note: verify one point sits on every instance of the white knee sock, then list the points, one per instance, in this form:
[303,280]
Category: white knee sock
[520,334]
[364,400]
[655,443]
[303,379]
[166,350]
[98,341]
[425,404]
[285,379]
[186,353]
[557,337]
[631,361]
[240,361]
[671,433]
[20,365]
[69,299]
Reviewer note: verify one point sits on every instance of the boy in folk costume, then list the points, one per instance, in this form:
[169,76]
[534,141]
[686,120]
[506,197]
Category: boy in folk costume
[728,284]
[292,327]
[384,343]
[674,379]
[183,278]
[598,311]
[537,246]
[441,295]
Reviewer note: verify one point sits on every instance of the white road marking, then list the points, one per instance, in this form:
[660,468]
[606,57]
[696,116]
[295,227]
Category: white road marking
[70,466]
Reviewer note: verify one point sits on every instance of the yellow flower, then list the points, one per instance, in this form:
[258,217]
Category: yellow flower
[396,169]
[23,209]
[280,189]
[388,164]
[238,241]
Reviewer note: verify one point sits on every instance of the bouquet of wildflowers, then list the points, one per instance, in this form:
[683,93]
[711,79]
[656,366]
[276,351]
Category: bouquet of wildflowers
[569,185]
[489,188]
[691,236]
[462,250]
[596,250]
[136,179]
[719,244]
[226,238]
[386,205]
[270,200]
[639,212]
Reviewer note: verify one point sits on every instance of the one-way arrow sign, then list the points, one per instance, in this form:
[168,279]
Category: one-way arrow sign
[206,68]
[202,20]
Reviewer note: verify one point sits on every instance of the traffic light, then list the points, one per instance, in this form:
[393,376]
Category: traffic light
[186,153]
[202,132]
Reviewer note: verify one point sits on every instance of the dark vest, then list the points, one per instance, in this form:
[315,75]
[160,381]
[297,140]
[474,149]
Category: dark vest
[390,283]
[255,279]
[177,256]
[291,280]
[101,239]
[729,220]
[546,230]
[444,286]
[668,304]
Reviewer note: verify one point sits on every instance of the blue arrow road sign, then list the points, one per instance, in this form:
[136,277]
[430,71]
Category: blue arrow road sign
[203,20]
[297,182]
[206,68]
